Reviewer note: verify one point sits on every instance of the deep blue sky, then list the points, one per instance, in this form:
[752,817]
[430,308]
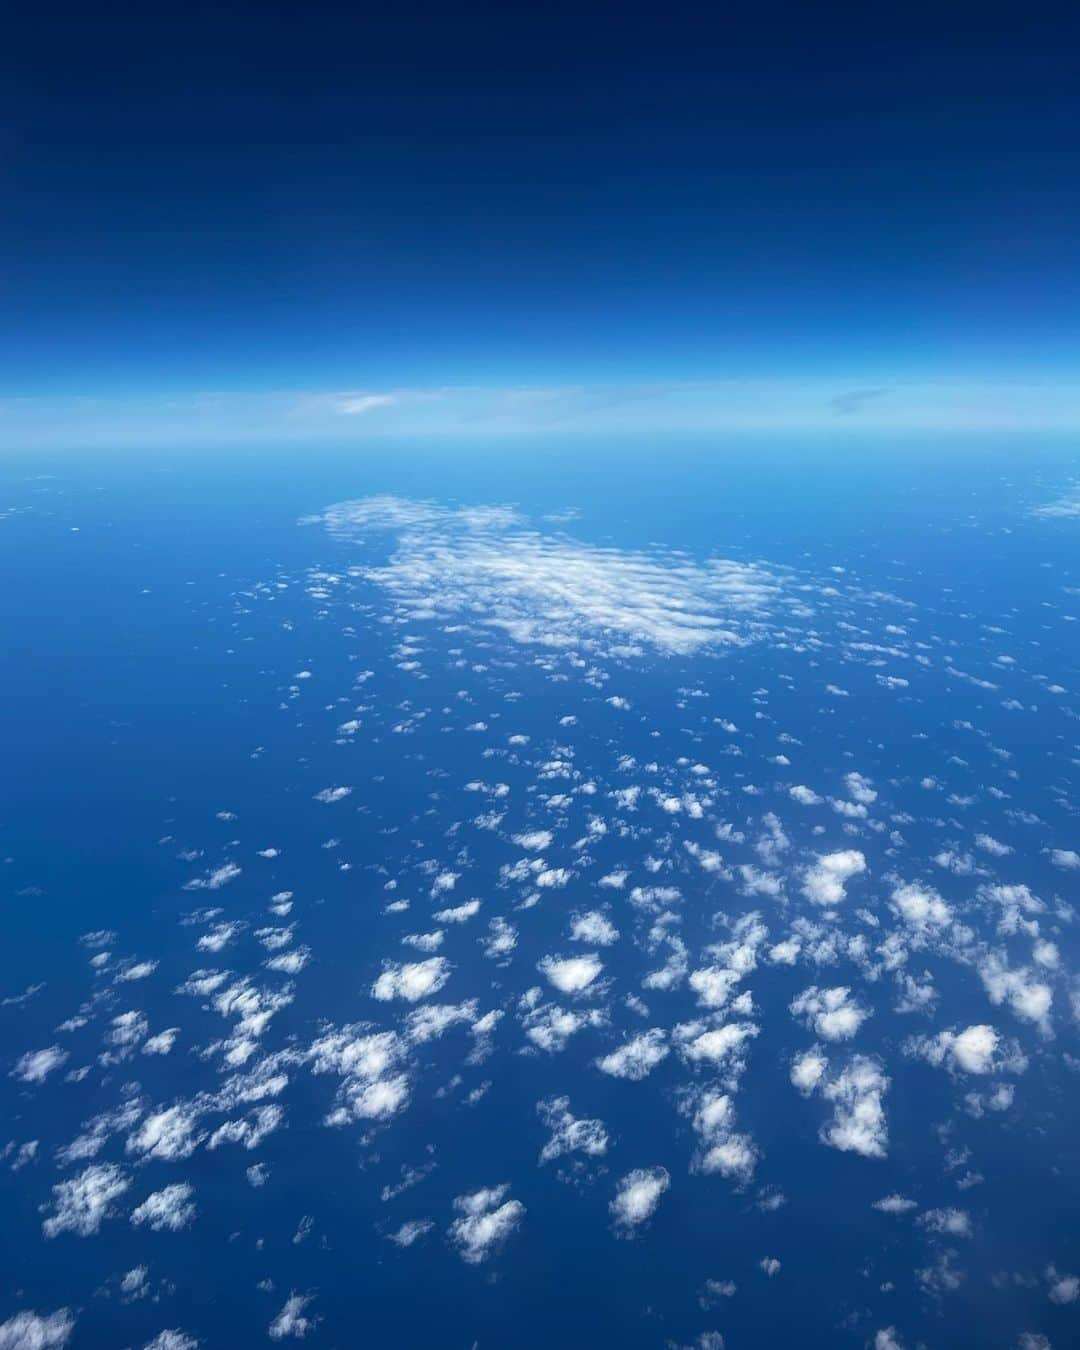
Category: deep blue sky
[592,193]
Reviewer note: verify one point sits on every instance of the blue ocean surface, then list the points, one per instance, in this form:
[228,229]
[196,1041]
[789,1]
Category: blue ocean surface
[545,893]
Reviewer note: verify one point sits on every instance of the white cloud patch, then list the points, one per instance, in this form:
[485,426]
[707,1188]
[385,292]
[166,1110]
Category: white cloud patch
[857,1095]
[570,1134]
[292,1320]
[412,981]
[486,1218]
[826,880]
[637,1196]
[171,1209]
[571,974]
[832,1013]
[81,1203]
[637,1057]
[36,1065]
[35,1331]
[553,592]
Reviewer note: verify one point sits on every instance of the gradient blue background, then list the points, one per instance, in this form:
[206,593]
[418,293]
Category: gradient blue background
[251,198]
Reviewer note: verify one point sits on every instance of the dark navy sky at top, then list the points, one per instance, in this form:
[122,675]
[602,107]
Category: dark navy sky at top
[336,198]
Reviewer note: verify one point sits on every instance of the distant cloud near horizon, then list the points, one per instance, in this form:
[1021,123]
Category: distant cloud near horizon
[790,407]
[353,404]
[855,400]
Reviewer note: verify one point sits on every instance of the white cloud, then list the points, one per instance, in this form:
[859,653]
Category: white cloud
[946,1222]
[920,906]
[1063,1288]
[170,1208]
[172,1340]
[169,1134]
[332,794]
[354,405]
[81,1203]
[637,1057]
[370,1065]
[593,927]
[1066,507]
[411,981]
[213,881]
[571,974]
[832,1013]
[410,1232]
[724,1150]
[825,881]
[857,1096]
[34,1331]
[459,913]
[895,1204]
[636,1197]
[36,1065]
[534,841]
[292,1320]
[553,592]
[808,1070]
[162,1043]
[718,1045]
[486,1219]
[568,1133]
[1029,998]
[972,1050]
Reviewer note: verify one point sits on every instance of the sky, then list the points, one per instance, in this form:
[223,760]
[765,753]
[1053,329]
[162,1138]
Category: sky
[238,205]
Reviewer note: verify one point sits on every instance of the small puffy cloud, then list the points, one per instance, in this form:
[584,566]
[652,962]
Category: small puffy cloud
[1065,858]
[719,1045]
[571,974]
[595,928]
[162,1042]
[832,1013]
[920,906]
[81,1203]
[946,1222]
[825,881]
[214,880]
[36,1065]
[970,1051]
[332,794]
[534,841]
[459,913]
[35,1331]
[292,1320]
[860,789]
[170,1209]
[172,1340]
[570,1134]
[1062,1288]
[724,1150]
[857,1095]
[895,1204]
[637,1057]
[887,1339]
[412,981]
[410,1232]
[808,1070]
[486,1219]
[636,1198]
[1029,997]
[804,796]
[169,1135]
